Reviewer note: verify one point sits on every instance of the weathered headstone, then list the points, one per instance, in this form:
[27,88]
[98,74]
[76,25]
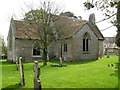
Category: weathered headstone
[48,57]
[37,82]
[17,66]
[61,60]
[22,80]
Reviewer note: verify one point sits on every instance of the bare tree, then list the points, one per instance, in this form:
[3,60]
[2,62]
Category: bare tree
[42,20]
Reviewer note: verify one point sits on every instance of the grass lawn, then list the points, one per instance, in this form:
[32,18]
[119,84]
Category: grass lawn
[84,74]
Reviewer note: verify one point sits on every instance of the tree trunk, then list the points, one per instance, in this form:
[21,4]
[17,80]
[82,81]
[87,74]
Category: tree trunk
[118,29]
[45,53]
[45,56]
[118,16]
[61,57]
[61,50]
[119,54]
[119,57]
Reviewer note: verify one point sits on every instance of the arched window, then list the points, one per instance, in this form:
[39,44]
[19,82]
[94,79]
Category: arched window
[65,47]
[86,39]
[36,49]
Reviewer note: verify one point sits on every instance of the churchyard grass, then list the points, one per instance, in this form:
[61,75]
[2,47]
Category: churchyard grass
[84,74]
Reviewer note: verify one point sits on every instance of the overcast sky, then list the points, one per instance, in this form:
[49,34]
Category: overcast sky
[9,8]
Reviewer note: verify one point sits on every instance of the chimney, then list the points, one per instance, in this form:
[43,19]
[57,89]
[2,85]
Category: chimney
[92,18]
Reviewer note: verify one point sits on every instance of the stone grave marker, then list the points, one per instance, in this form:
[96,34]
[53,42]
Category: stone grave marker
[61,60]
[37,82]
[22,80]
[17,65]
[48,59]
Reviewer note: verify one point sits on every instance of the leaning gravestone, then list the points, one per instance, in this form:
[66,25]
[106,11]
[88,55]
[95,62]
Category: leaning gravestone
[22,80]
[37,82]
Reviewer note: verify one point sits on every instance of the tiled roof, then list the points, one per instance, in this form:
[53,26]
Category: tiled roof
[25,30]
[96,31]
[69,26]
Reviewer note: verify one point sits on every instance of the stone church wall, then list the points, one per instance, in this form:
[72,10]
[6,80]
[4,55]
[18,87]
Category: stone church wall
[24,48]
[76,49]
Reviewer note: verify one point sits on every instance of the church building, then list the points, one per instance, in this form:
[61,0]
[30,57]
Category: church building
[82,41]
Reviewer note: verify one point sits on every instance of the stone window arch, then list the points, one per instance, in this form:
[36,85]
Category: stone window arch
[36,50]
[86,39]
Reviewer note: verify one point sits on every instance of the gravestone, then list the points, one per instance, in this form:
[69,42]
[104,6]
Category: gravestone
[17,65]
[37,82]
[61,60]
[48,59]
[22,80]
